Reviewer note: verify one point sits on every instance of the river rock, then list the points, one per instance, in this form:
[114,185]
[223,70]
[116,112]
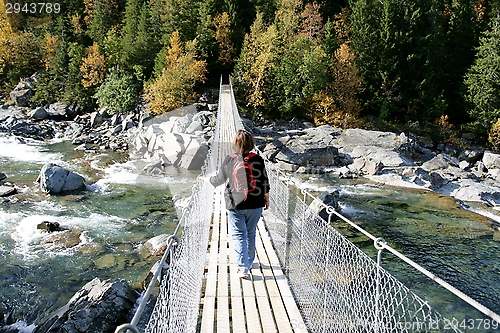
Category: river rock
[166,141]
[329,198]
[2,176]
[63,238]
[157,245]
[39,114]
[23,92]
[54,179]
[441,161]
[100,306]
[49,226]
[7,190]
[105,261]
[491,160]
[60,111]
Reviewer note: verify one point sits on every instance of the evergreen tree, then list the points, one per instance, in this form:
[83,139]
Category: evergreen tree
[256,59]
[222,24]
[138,44]
[50,86]
[117,93]
[205,35]
[460,41]
[100,16]
[74,91]
[483,79]
[367,45]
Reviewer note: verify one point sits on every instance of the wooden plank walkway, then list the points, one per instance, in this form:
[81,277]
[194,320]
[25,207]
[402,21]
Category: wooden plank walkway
[263,303]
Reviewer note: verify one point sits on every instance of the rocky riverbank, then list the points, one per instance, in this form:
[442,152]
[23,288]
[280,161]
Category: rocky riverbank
[391,159]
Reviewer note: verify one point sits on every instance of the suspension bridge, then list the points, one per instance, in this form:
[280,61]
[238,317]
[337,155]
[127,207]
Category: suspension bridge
[307,277]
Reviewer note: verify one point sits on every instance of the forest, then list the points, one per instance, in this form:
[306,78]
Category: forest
[420,63]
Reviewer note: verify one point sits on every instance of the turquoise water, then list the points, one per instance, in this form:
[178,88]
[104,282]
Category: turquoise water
[118,212]
[122,209]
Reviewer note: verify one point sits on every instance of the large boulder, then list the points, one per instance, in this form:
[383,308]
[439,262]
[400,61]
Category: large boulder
[100,306]
[54,179]
[179,140]
[194,155]
[23,92]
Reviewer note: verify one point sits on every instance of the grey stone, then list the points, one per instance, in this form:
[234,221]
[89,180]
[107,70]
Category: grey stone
[157,245]
[100,306]
[329,198]
[54,180]
[441,161]
[39,114]
[491,160]
[7,190]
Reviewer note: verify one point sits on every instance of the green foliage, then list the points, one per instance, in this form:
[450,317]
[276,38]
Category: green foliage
[50,86]
[297,75]
[74,91]
[279,68]
[118,93]
[483,78]
[139,44]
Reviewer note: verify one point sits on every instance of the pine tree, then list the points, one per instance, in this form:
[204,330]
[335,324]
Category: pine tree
[483,79]
[138,44]
[460,42]
[100,16]
[256,59]
[74,91]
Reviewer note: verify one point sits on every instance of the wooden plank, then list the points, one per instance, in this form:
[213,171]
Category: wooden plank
[237,311]
[280,315]
[208,316]
[292,310]
[251,312]
[222,285]
[265,310]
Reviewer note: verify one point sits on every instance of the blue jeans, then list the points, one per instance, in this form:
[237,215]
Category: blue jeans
[242,226]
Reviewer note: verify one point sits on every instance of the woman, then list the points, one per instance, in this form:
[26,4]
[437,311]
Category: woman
[246,195]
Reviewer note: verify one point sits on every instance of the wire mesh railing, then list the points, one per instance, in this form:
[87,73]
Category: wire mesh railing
[337,286]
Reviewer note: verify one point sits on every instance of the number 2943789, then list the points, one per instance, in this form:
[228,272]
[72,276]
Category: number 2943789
[32,8]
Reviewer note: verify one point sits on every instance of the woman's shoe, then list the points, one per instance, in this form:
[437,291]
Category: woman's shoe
[242,273]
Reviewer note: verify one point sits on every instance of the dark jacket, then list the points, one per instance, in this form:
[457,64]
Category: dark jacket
[236,200]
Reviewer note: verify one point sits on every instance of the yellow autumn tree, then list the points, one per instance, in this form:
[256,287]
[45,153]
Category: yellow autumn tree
[222,24]
[174,87]
[50,45]
[311,24]
[337,105]
[19,51]
[256,59]
[93,67]
[5,36]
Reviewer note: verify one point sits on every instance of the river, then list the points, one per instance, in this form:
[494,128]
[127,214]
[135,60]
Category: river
[121,209]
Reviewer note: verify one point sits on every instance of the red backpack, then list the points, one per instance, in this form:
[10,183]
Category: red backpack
[243,179]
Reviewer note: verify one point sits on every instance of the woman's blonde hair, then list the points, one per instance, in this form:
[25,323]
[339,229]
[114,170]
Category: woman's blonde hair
[243,142]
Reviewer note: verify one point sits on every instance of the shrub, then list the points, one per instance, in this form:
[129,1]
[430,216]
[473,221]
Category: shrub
[118,93]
